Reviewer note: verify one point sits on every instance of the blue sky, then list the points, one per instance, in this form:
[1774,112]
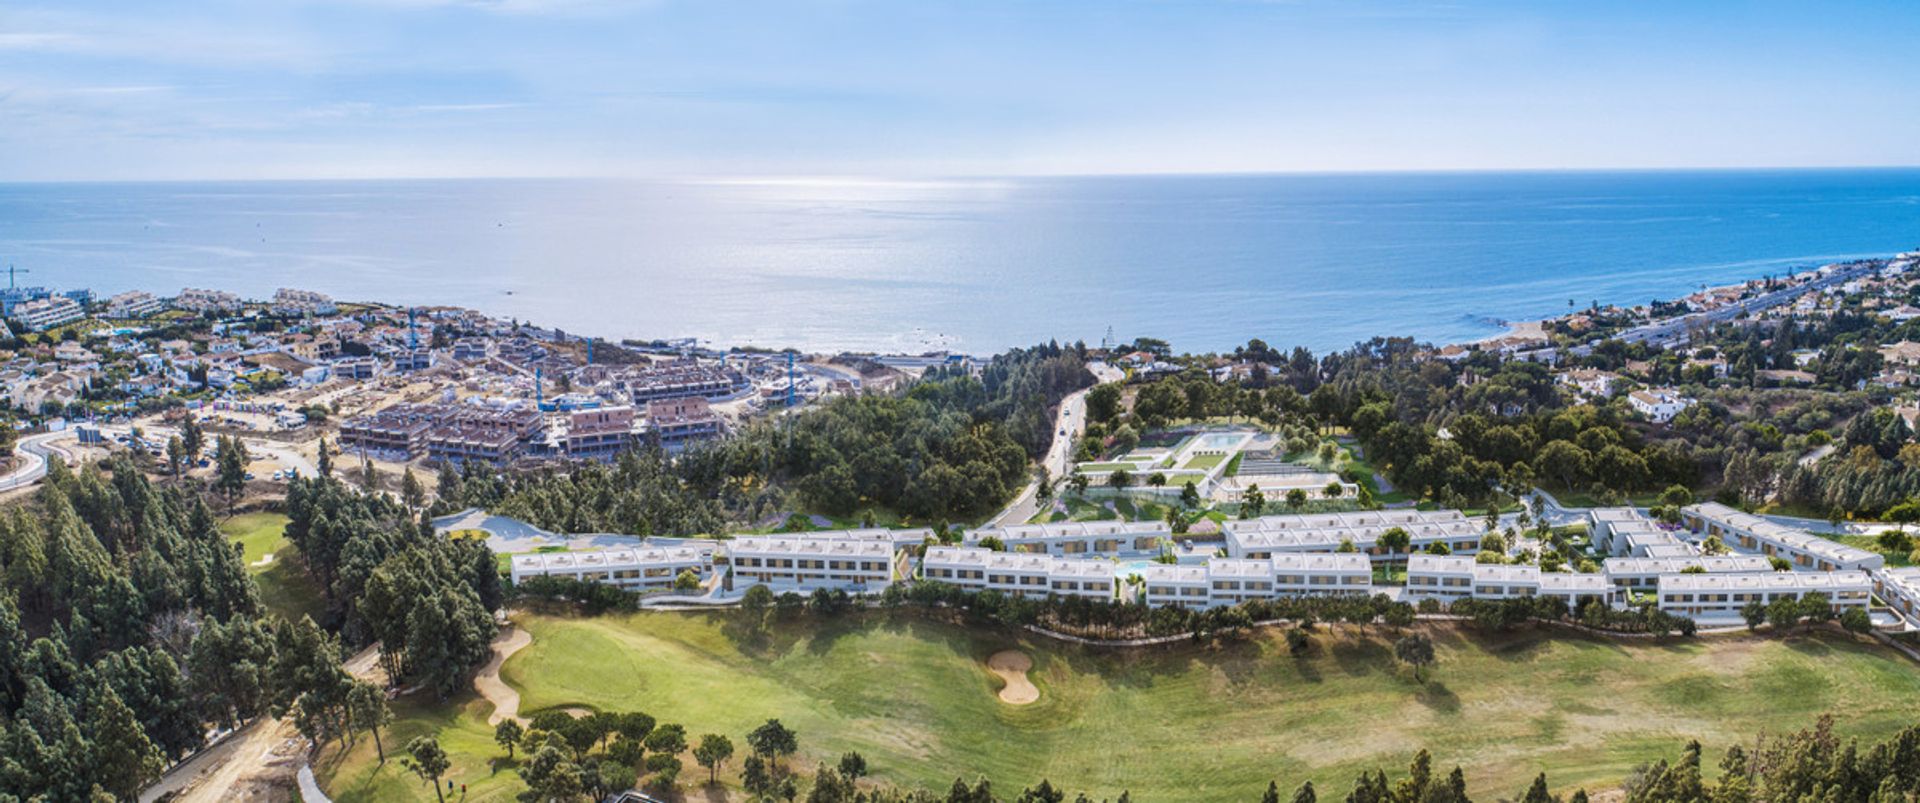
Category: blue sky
[367,88]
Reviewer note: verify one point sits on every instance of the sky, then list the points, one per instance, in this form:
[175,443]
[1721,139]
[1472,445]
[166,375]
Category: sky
[239,89]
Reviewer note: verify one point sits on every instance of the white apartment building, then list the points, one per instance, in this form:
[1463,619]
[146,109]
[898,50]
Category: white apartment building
[1018,574]
[1659,405]
[1231,581]
[805,562]
[1078,537]
[133,304]
[1747,532]
[1452,577]
[1175,585]
[1628,574]
[193,299]
[1268,536]
[1719,597]
[288,301]
[42,314]
[633,569]
[1624,531]
[1900,590]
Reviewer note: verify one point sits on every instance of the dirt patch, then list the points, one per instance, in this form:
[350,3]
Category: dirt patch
[1012,666]
[506,701]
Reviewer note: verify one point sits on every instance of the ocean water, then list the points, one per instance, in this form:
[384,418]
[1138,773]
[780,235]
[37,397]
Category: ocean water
[1203,261]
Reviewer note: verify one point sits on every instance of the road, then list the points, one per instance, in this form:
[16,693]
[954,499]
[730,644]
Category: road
[1674,330]
[288,456]
[33,452]
[1068,423]
[257,762]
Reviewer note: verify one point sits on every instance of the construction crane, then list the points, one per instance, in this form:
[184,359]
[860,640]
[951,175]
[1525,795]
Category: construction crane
[11,270]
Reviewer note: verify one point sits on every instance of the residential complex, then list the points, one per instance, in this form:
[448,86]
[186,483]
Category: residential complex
[1752,533]
[1325,532]
[650,568]
[46,313]
[804,562]
[133,304]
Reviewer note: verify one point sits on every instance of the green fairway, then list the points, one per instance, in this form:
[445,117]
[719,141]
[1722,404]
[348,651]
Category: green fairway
[1172,723]
[284,588]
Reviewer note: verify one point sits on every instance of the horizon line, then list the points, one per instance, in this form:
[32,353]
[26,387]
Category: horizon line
[912,178]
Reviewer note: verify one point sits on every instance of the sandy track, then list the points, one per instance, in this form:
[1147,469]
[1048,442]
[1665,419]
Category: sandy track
[506,701]
[258,763]
[1012,666]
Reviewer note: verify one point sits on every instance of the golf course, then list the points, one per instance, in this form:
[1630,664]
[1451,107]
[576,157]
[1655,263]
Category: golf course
[1183,722]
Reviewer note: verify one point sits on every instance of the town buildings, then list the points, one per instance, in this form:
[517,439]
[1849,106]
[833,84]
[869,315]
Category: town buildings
[133,304]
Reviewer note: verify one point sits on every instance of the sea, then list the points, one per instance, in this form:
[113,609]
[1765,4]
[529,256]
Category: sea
[1205,262]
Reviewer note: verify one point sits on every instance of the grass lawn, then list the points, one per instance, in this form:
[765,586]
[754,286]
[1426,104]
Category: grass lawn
[1172,723]
[1871,543]
[1204,462]
[284,588]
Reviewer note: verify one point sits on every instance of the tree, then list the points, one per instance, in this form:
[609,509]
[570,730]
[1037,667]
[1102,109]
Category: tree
[176,456]
[1305,794]
[1415,650]
[686,581]
[1189,495]
[773,741]
[713,751]
[427,760]
[125,757]
[1078,484]
[412,494]
[1856,620]
[508,733]
[367,703]
[325,462]
[1394,540]
[1252,502]
[853,766]
[1334,490]
[191,437]
[1157,480]
[1537,793]
[232,477]
[1296,499]
[1120,478]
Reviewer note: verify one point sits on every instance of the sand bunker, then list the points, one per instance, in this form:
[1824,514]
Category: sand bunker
[1012,666]
[506,701]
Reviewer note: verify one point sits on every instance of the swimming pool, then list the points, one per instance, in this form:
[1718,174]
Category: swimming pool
[1219,440]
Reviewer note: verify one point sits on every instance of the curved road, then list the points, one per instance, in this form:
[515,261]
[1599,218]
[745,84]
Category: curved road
[1068,423]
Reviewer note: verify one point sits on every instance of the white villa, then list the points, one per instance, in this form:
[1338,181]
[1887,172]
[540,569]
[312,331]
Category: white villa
[811,561]
[1659,405]
[1078,537]
[1268,536]
[1752,533]
[1719,597]
[635,569]
[1018,574]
